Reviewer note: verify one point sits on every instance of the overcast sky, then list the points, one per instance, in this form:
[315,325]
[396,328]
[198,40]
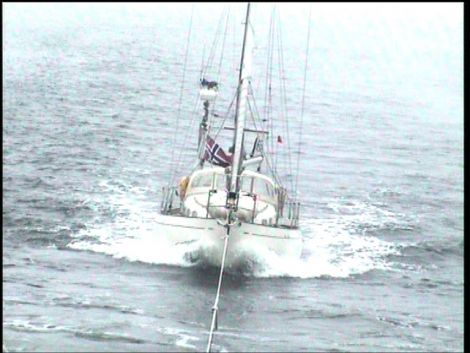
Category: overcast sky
[334,11]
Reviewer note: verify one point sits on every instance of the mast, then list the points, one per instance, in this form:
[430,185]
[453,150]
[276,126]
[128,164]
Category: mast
[201,143]
[240,117]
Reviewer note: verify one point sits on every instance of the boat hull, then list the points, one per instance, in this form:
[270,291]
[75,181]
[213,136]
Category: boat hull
[246,240]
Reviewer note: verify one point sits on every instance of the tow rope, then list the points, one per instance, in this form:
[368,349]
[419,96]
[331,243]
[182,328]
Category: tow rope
[215,307]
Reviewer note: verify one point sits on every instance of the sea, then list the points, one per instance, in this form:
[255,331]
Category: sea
[100,108]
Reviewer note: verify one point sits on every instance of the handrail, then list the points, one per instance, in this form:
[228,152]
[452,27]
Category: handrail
[209,194]
[254,209]
[287,212]
[168,194]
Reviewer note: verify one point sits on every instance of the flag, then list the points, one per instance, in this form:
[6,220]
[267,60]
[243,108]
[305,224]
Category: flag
[215,154]
[279,139]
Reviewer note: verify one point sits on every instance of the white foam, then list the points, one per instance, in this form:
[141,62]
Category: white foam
[337,246]
[141,246]
[24,325]
[183,341]
[132,234]
[182,337]
[330,251]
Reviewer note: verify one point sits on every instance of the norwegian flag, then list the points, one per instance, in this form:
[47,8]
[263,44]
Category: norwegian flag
[215,154]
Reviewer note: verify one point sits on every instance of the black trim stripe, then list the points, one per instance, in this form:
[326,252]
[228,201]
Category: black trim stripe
[273,236]
[181,226]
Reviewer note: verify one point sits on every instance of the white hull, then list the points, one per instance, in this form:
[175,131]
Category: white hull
[244,240]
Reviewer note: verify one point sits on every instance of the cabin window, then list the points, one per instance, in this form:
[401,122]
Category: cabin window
[246,184]
[202,180]
[221,184]
[262,187]
[205,180]
[257,186]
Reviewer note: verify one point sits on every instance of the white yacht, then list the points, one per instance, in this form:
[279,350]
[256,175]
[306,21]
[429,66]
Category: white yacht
[232,198]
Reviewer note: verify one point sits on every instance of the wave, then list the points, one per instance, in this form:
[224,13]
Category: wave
[92,303]
[431,250]
[95,335]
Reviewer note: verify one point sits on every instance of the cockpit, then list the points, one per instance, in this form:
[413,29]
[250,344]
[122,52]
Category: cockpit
[251,183]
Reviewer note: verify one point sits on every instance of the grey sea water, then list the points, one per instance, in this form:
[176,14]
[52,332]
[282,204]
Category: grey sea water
[90,103]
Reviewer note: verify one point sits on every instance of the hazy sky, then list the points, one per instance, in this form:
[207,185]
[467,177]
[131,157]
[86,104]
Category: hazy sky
[383,42]
[335,11]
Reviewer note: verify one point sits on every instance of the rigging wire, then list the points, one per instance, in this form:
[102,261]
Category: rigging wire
[204,70]
[213,49]
[220,60]
[185,140]
[273,32]
[223,44]
[222,124]
[226,116]
[268,165]
[178,114]
[270,95]
[302,106]
[255,114]
[267,90]
[284,98]
[202,61]
[234,45]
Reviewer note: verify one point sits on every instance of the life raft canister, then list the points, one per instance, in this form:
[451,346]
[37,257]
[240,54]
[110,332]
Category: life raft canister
[183,186]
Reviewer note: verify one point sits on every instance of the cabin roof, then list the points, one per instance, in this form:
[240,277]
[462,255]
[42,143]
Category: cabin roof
[221,171]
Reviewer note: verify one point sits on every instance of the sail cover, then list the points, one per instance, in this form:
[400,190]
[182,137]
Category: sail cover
[215,154]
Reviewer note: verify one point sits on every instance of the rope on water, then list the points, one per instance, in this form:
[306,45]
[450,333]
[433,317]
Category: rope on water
[216,302]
